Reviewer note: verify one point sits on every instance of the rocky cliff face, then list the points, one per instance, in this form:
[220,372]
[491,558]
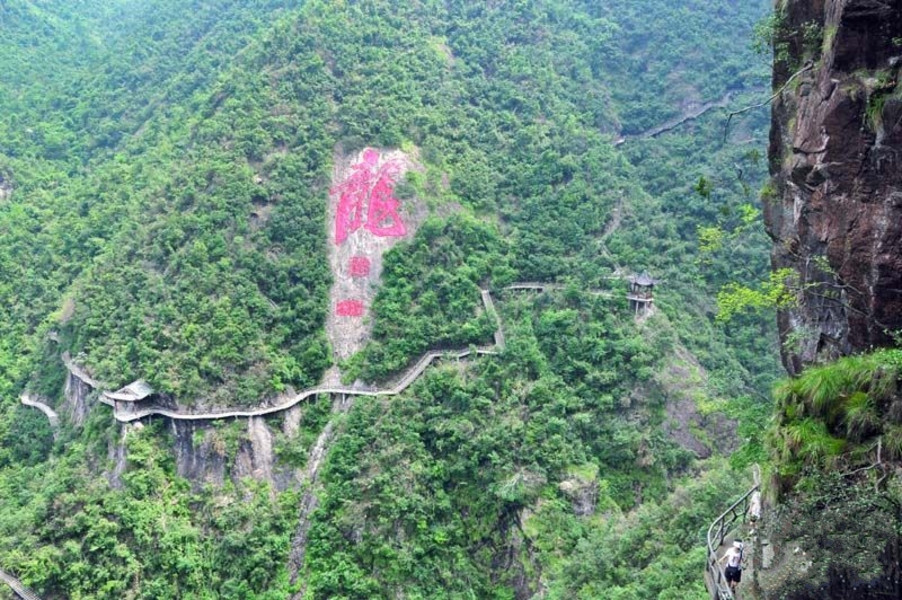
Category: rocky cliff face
[834,213]
[78,399]
[835,210]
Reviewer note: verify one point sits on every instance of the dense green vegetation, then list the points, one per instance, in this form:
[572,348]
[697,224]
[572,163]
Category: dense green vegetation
[851,533]
[427,492]
[834,447]
[167,220]
[833,415]
[63,528]
[433,282]
[209,276]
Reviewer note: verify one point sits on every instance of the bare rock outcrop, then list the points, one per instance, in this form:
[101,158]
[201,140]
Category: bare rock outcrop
[835,210]
[209,455]
[78,393]
[582,493]
[200,455]
[6,187]
[366,219]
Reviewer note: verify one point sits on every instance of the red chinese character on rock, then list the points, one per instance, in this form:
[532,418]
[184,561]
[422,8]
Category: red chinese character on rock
[349,308]
[366,199]
[360,266]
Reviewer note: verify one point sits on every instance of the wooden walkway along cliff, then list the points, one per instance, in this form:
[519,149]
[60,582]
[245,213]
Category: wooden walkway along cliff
[538,286]
[33,402]
[126,415]
[490,309]
[20,590]
[125,408]
[128,407]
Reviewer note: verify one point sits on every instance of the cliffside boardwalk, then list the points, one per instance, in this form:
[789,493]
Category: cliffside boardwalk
[537,286]
[33,402]
[128,407]
[125,409]
[17,587]
[718,533]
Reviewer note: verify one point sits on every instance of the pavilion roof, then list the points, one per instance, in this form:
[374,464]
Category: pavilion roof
[644,279]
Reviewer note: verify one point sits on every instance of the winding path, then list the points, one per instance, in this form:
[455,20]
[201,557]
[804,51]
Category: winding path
[54,418]
[688,115]
[125,415]
[125,410]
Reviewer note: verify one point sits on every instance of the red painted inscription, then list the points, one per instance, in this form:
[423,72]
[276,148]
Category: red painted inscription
[366,199]
[349,308]
[360,266]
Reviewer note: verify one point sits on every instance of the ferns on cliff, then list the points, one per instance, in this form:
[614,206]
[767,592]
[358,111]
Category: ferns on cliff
[829,412]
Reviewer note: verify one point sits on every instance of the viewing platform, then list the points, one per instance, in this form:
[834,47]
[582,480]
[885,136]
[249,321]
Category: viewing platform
[641,292]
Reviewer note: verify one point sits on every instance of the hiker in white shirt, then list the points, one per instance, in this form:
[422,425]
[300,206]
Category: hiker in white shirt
[733,559]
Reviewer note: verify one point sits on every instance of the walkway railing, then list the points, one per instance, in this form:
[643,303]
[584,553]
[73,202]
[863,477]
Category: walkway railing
[34,402]
[125,410]
[17,587]
[717,532]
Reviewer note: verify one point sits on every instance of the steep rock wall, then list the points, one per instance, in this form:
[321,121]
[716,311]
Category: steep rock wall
[835,216]
[77,395]
[835,211]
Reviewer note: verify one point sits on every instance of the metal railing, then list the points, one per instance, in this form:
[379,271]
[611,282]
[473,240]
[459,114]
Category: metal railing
[126,411]
[717,532]
[17,586]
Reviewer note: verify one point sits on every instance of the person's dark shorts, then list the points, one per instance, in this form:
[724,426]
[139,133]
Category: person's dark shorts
[733,574]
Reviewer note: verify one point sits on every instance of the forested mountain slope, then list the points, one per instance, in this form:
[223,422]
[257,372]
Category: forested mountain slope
[167,171]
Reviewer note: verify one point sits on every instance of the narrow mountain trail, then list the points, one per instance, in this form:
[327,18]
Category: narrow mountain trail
[125,411]
[33,402]
[127,415]
[688,115]
[729,526]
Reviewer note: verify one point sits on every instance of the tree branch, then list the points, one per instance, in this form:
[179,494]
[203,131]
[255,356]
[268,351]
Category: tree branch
[879,463]
[726,129]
